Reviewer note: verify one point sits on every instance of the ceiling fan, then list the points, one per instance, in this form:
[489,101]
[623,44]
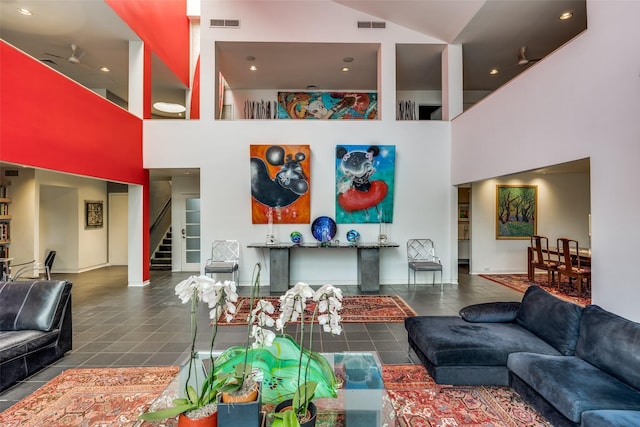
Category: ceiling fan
[522,57]
[74,58]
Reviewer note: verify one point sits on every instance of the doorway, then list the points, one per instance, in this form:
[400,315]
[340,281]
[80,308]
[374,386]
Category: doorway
[464,225]
[189,240]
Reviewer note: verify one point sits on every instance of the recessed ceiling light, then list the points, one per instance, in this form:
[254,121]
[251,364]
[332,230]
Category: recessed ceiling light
[345,69]
[566,15]
[347,59]
[251,58]
[169,107]
[105,69]
[24,11]
[253,68]
[312,86]
[494,71]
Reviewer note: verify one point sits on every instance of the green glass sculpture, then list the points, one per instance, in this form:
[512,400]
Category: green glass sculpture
[279,363]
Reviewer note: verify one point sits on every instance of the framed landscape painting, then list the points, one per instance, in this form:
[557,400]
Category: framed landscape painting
[516,211]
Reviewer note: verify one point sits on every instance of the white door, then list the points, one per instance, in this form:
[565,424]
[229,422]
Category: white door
[190,233]
[118,228]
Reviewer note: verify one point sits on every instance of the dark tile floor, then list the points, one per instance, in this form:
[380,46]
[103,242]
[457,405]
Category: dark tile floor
[116,326]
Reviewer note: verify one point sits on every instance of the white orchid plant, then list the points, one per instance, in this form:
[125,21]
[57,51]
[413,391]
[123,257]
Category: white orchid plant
[258,319]
[328,303]
[221,298]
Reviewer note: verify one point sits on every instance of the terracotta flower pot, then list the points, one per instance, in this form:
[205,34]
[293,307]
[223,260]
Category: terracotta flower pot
[310,420]
[240,410]
[208,421]
[250,396]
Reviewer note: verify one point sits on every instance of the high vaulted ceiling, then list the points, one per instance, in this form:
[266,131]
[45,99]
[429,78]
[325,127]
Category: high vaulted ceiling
[491,33]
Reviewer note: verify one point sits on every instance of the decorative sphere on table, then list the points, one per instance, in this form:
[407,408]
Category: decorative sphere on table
[296,237]
[323,229]
[353,236]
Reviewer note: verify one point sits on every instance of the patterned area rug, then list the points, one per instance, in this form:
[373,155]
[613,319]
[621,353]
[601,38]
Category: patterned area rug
[113,397]
[419,402]
[520,282]
[90,397]
[355,309]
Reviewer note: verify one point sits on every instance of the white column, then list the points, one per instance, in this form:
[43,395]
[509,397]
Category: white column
[387,81]
[451,82]
[136,246]
[136,78]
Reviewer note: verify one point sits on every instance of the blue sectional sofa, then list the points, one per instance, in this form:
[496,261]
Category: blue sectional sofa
[35,327]
[563,359]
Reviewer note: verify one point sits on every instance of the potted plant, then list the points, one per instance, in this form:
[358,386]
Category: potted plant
[300,410]
[199,400]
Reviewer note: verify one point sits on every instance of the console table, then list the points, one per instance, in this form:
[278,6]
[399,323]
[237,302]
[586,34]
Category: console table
[368,264]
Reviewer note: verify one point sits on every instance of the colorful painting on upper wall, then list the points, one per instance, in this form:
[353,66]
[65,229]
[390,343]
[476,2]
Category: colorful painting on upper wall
[365,183]
[328,105]
[280,184]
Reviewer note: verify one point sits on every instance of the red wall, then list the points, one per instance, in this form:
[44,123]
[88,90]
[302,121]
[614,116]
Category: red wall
[51,122]
[48,121]
[164,26]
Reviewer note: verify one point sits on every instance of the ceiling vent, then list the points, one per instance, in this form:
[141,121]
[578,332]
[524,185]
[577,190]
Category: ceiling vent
[224,23]
[11,172]
[372,24]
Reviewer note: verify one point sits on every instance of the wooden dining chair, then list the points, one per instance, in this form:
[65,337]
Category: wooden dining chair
[569,263]
[541,259]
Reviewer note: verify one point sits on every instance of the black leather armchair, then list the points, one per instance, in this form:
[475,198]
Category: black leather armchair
[35,327]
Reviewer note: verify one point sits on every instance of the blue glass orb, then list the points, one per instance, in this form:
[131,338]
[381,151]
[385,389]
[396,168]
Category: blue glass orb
[324,229]
[353,236]
[296,237]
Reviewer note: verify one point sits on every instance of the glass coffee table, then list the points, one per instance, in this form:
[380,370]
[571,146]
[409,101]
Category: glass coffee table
[362,400]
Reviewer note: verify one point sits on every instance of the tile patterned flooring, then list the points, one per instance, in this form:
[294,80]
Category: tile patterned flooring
[117,326]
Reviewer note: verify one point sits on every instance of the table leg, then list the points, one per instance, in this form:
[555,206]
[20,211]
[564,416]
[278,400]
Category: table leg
[278,269]
[369,269]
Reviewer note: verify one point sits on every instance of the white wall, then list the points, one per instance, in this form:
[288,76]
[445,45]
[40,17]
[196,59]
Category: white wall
[84,249]
[423,197]
[579,102]
[563,209]
[58,226]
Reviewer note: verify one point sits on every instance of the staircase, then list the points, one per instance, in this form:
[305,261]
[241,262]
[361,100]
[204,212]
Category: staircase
[161,259]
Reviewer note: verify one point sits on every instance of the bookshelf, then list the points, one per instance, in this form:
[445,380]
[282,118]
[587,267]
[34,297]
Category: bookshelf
[5,219]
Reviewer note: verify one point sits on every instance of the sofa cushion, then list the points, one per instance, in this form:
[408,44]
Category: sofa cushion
[32,304]
[18,343]
[451,341]
[572,385]
[610,343]
[610,418]
[555,321]
[490,312]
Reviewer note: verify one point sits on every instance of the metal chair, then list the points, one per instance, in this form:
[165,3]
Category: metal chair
[33,267]
[421,256]
[225,258]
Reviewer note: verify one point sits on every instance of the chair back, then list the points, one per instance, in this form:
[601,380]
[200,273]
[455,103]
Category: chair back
[421,250]
[568,249]
[48,264]
[540,246]
[225,251]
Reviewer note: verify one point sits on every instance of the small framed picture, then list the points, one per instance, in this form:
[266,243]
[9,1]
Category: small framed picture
[94,213]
